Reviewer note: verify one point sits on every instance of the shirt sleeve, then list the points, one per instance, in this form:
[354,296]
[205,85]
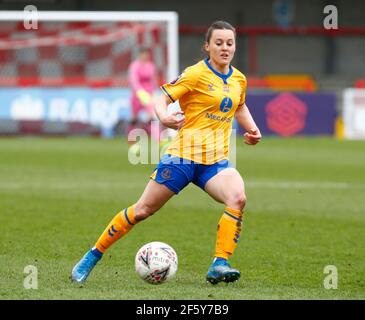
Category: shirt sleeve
[243,84]
[183,84]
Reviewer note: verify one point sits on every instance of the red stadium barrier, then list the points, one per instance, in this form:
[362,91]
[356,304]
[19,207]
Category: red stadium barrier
[359,83]
[63,82]
[254,31]
[273,30]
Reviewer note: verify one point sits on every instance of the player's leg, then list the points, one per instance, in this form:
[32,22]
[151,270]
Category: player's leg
[153,198]
[134,123]
[226,187]
[135,109]
[166,180]
[155,128]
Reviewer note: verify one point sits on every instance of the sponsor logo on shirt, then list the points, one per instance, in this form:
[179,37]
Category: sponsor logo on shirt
[213,116]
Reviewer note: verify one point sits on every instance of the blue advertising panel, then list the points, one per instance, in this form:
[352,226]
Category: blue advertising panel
[288,114]
[284,114]
[100,107]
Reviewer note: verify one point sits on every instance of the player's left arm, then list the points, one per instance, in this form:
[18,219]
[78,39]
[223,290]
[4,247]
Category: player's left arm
[245,120]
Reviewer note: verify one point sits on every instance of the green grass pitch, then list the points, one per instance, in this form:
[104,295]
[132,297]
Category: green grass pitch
[306,210]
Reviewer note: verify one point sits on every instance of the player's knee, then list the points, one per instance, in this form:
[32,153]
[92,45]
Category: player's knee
[143,211]
[237,201]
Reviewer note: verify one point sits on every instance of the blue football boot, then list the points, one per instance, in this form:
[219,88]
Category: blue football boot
[220,270]
[82,269]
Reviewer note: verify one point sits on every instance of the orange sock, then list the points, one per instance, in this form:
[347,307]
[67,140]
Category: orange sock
[228,233]
[117,228]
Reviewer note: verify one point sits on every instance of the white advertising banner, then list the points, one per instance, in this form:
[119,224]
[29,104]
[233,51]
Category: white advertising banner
[354,113]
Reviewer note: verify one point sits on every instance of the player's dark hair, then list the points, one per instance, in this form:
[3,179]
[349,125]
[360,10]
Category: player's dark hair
[220,25]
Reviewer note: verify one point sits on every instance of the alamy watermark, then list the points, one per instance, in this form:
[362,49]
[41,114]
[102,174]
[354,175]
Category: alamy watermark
[330,22]
[331,280]
[31,279]
[30,19]
[201,145]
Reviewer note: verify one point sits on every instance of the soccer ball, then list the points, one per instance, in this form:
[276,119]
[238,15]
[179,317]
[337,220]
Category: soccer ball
[156,262]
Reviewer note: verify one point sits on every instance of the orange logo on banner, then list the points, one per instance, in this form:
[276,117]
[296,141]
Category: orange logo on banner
[286,114]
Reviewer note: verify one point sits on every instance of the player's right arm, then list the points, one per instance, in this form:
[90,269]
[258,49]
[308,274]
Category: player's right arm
[172,92]
[174,120]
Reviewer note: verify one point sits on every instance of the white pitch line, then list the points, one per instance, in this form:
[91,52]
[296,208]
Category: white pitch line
[64,185]
[301,184]
[89,185]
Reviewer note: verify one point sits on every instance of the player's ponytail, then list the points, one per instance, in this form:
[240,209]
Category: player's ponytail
[220,25]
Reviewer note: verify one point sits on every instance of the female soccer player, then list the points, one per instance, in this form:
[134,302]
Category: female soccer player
[210,94]
[143,82]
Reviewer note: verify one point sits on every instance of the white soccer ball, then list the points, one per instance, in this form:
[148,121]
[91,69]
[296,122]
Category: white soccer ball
[156,262]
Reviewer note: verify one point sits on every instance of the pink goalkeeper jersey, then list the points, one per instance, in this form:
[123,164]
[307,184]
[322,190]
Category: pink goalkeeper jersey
[142,75]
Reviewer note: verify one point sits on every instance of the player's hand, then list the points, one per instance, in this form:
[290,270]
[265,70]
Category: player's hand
[144,97]
[252,137]
[174,121]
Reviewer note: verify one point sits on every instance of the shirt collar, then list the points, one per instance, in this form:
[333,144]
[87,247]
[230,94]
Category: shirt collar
[224,77]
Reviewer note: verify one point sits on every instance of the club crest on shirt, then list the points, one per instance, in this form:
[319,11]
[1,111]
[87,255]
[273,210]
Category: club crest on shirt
[226,104]
[166,174]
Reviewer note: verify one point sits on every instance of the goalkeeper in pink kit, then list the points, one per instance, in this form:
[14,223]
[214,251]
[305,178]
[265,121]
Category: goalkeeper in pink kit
[143,82]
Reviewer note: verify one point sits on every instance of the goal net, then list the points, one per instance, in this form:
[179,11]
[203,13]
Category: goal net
[73,66]
[84,48]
